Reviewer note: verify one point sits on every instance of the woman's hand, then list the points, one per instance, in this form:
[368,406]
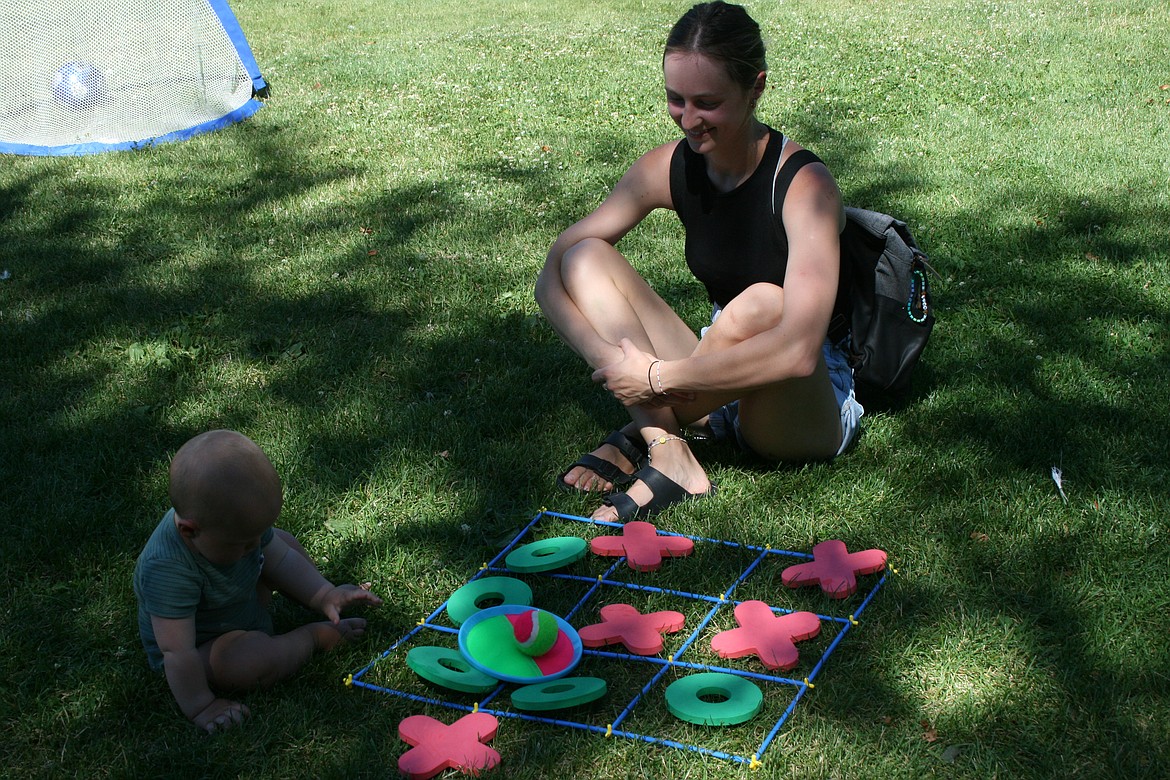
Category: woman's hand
[632,381]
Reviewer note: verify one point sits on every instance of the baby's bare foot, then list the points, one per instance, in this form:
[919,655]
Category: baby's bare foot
[328,636]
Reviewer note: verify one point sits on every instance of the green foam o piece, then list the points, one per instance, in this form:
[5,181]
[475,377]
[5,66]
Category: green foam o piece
[487,592]
[547,554]
[447,667]
[714,699]
[558,694]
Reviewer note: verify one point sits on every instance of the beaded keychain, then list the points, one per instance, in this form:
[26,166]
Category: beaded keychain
[917,295]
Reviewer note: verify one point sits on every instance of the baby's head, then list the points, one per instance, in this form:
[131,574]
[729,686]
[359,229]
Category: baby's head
[223,486]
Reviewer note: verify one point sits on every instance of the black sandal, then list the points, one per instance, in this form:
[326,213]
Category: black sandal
[634,450]
[665,491]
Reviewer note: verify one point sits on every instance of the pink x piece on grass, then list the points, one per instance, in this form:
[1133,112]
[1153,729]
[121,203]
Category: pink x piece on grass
[438,746]
[770,637]
[834,568]
[643,547]
[641,634]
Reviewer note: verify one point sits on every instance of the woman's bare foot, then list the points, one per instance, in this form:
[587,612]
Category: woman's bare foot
[588,481]
[617,453]
[327,636]
[676,462]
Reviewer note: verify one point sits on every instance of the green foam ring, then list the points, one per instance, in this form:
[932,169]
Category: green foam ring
[487,592]
[558,694]
[714,699]
[448,668]
[547,554]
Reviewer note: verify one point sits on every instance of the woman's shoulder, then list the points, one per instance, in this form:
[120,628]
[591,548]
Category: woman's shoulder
[660,155]
[809,186]
[790,147]
[802,163]
[648,179]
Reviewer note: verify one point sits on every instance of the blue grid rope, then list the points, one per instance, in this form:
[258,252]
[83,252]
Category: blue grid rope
[665,665]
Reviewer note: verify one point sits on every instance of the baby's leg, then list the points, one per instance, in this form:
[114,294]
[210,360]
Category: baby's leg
[241,660]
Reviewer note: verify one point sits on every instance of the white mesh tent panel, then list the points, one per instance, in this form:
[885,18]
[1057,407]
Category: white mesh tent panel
[79,76]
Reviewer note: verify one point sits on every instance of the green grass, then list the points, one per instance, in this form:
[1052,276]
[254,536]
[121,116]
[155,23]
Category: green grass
[347,278]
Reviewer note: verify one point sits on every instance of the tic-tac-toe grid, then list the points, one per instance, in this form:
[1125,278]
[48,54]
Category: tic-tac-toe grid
[633,706]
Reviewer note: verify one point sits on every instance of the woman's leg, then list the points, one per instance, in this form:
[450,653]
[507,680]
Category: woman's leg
[593,299]
[796,420]
[597,299]
[757,309]
[672,458]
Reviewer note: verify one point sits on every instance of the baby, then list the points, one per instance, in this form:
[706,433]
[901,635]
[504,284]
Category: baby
[206,576]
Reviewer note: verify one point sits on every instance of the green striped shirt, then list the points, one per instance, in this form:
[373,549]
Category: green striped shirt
[172,581]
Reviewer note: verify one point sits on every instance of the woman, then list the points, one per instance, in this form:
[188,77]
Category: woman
[763,365]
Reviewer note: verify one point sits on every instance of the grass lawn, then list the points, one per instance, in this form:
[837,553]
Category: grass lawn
[347,278]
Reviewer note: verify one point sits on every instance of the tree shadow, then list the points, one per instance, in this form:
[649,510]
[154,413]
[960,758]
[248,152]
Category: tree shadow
[372,394]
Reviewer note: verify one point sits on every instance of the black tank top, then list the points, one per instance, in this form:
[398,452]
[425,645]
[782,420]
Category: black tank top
[733,239]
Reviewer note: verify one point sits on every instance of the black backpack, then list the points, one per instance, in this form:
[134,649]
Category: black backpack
[884,307]
[884,313]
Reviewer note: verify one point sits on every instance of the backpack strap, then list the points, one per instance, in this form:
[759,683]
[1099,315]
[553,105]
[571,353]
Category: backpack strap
[787,172]
[775,173]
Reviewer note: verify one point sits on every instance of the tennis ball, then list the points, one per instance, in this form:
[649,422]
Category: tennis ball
[536,631]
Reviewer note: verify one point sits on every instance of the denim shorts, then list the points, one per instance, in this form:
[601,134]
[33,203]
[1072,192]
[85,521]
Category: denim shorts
[841,375]
[725,420]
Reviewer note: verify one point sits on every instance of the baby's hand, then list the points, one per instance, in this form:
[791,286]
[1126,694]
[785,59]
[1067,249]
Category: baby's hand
[220,715]
[334,601]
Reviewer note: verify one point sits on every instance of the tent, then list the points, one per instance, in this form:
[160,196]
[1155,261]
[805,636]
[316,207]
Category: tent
[83,77]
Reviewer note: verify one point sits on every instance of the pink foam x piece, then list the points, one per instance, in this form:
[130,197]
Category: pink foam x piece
[438,746]
[641,634]
[770,637]
[834,568]
[643,547]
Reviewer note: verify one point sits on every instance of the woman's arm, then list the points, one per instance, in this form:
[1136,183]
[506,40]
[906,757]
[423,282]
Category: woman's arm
[643,188]
[813,218]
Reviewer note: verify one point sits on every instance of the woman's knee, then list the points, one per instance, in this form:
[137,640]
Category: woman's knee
[588,257]
[755,310]
[578,264]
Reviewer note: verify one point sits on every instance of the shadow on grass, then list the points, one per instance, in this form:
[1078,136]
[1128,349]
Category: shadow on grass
[379,356]
[1047,352]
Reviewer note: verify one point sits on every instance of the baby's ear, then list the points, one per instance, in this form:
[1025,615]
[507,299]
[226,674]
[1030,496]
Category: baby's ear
[188,528]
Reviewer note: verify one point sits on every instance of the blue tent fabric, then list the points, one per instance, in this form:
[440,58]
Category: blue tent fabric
[77,150]
[231,26]
[66,145]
